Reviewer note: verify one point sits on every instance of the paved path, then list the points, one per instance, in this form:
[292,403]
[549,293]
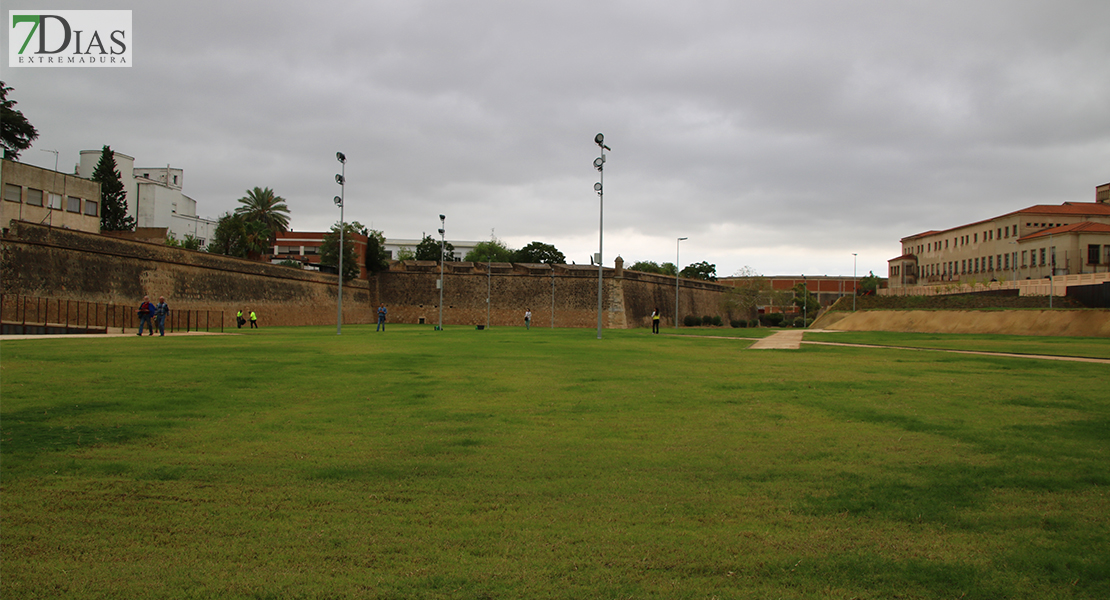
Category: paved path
[792,340]
[783,340]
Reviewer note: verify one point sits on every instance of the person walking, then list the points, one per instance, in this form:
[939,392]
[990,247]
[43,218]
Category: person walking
[146,310]
[527,318]
[254,321]
[655,320]
[239,319]
[381,318]
[161,310]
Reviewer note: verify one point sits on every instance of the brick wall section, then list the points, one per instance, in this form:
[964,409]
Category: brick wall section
[61,263]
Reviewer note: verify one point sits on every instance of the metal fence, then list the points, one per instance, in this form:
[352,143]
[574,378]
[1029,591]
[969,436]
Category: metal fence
[32,315]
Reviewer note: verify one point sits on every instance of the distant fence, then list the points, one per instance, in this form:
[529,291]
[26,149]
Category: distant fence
[32,315]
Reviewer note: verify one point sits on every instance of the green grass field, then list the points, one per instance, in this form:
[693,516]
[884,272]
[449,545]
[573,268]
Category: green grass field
[294,463]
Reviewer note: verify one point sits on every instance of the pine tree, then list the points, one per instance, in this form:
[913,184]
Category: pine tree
[113,198]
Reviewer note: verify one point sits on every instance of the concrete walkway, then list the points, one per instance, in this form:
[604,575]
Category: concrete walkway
[55,336]
[783,340]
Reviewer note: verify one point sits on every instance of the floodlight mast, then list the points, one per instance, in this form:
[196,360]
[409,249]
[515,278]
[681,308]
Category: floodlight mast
[442,257]
[599,164]
[341,179]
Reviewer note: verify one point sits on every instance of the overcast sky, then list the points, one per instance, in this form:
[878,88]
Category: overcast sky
[783,136]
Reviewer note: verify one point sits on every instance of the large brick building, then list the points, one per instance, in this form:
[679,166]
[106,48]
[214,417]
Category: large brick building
[1033,243]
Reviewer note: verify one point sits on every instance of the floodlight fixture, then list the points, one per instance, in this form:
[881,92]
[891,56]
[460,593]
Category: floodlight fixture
[338,201]
[341,157]
[340,179]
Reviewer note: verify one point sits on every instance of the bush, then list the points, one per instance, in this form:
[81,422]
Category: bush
[691,321]
[772,320]
[706,320]
[717,320]
[738,323]
[753,323]
[799,322]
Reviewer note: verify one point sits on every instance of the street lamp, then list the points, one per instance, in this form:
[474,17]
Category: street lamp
[855,284]
[442,254]
[805,300]
[676,263]
[341,179]
[599,187]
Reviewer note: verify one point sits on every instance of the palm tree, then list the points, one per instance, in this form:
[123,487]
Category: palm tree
[261,205]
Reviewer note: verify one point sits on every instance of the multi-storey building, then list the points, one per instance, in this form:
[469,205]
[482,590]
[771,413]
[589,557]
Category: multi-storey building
[48,197]
[1032,243]
[154,197]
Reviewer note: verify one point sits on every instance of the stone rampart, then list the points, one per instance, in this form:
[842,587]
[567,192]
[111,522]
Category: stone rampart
[55,263]
[62,263]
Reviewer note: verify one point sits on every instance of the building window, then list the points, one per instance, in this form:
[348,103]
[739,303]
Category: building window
[54,201]
[1043,262]
[13,193]
[990,263]
[1024,258]
[34,197]
[1007,262]
[73,205]
[976,266]
[90,208]
[1093,254]
[976,238]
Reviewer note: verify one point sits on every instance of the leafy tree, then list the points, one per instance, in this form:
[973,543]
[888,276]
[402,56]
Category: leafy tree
[237,236]
[406,253]
[538,252]
[189,243]
[113,197]
[701,270]
[260,204]
[329,249]
[646,266]
[227,239]
[296,264]
[16,132]
[428,249]
[803,298]
[376,260]
[869,285]
[669,268]
[494,250]
[749,292]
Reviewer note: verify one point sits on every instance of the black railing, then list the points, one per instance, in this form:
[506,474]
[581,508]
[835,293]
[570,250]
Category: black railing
[32,315]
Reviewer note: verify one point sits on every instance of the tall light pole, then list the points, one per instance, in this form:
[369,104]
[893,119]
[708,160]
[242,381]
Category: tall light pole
[489,284]
[341,179]
[676,262]
[443,253]
[855,284]
[805,300]
[599,164]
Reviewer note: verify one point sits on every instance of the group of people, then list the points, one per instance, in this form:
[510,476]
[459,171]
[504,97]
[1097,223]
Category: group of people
[240,321]
[153,314]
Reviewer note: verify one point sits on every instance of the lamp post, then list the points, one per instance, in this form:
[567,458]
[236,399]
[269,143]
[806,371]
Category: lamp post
[442,254]
[805,300]
[599,164]
[341,179]
[676,263]
[855,284]
[489,284]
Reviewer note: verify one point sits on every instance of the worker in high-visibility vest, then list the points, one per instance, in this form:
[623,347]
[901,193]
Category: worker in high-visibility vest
[239,319]
[254,321]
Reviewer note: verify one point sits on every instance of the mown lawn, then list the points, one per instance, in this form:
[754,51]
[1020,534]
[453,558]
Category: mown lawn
[294,463]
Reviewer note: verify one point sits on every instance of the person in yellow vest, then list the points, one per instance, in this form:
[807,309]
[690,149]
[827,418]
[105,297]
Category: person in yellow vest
[655,320]
[254,321]
[239,319]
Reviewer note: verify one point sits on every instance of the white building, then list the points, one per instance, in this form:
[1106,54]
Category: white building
[394,245]
[154,197]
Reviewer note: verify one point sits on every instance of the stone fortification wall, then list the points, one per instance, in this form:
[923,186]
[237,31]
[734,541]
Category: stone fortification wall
[563,294]
[54,263]
[62,263]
